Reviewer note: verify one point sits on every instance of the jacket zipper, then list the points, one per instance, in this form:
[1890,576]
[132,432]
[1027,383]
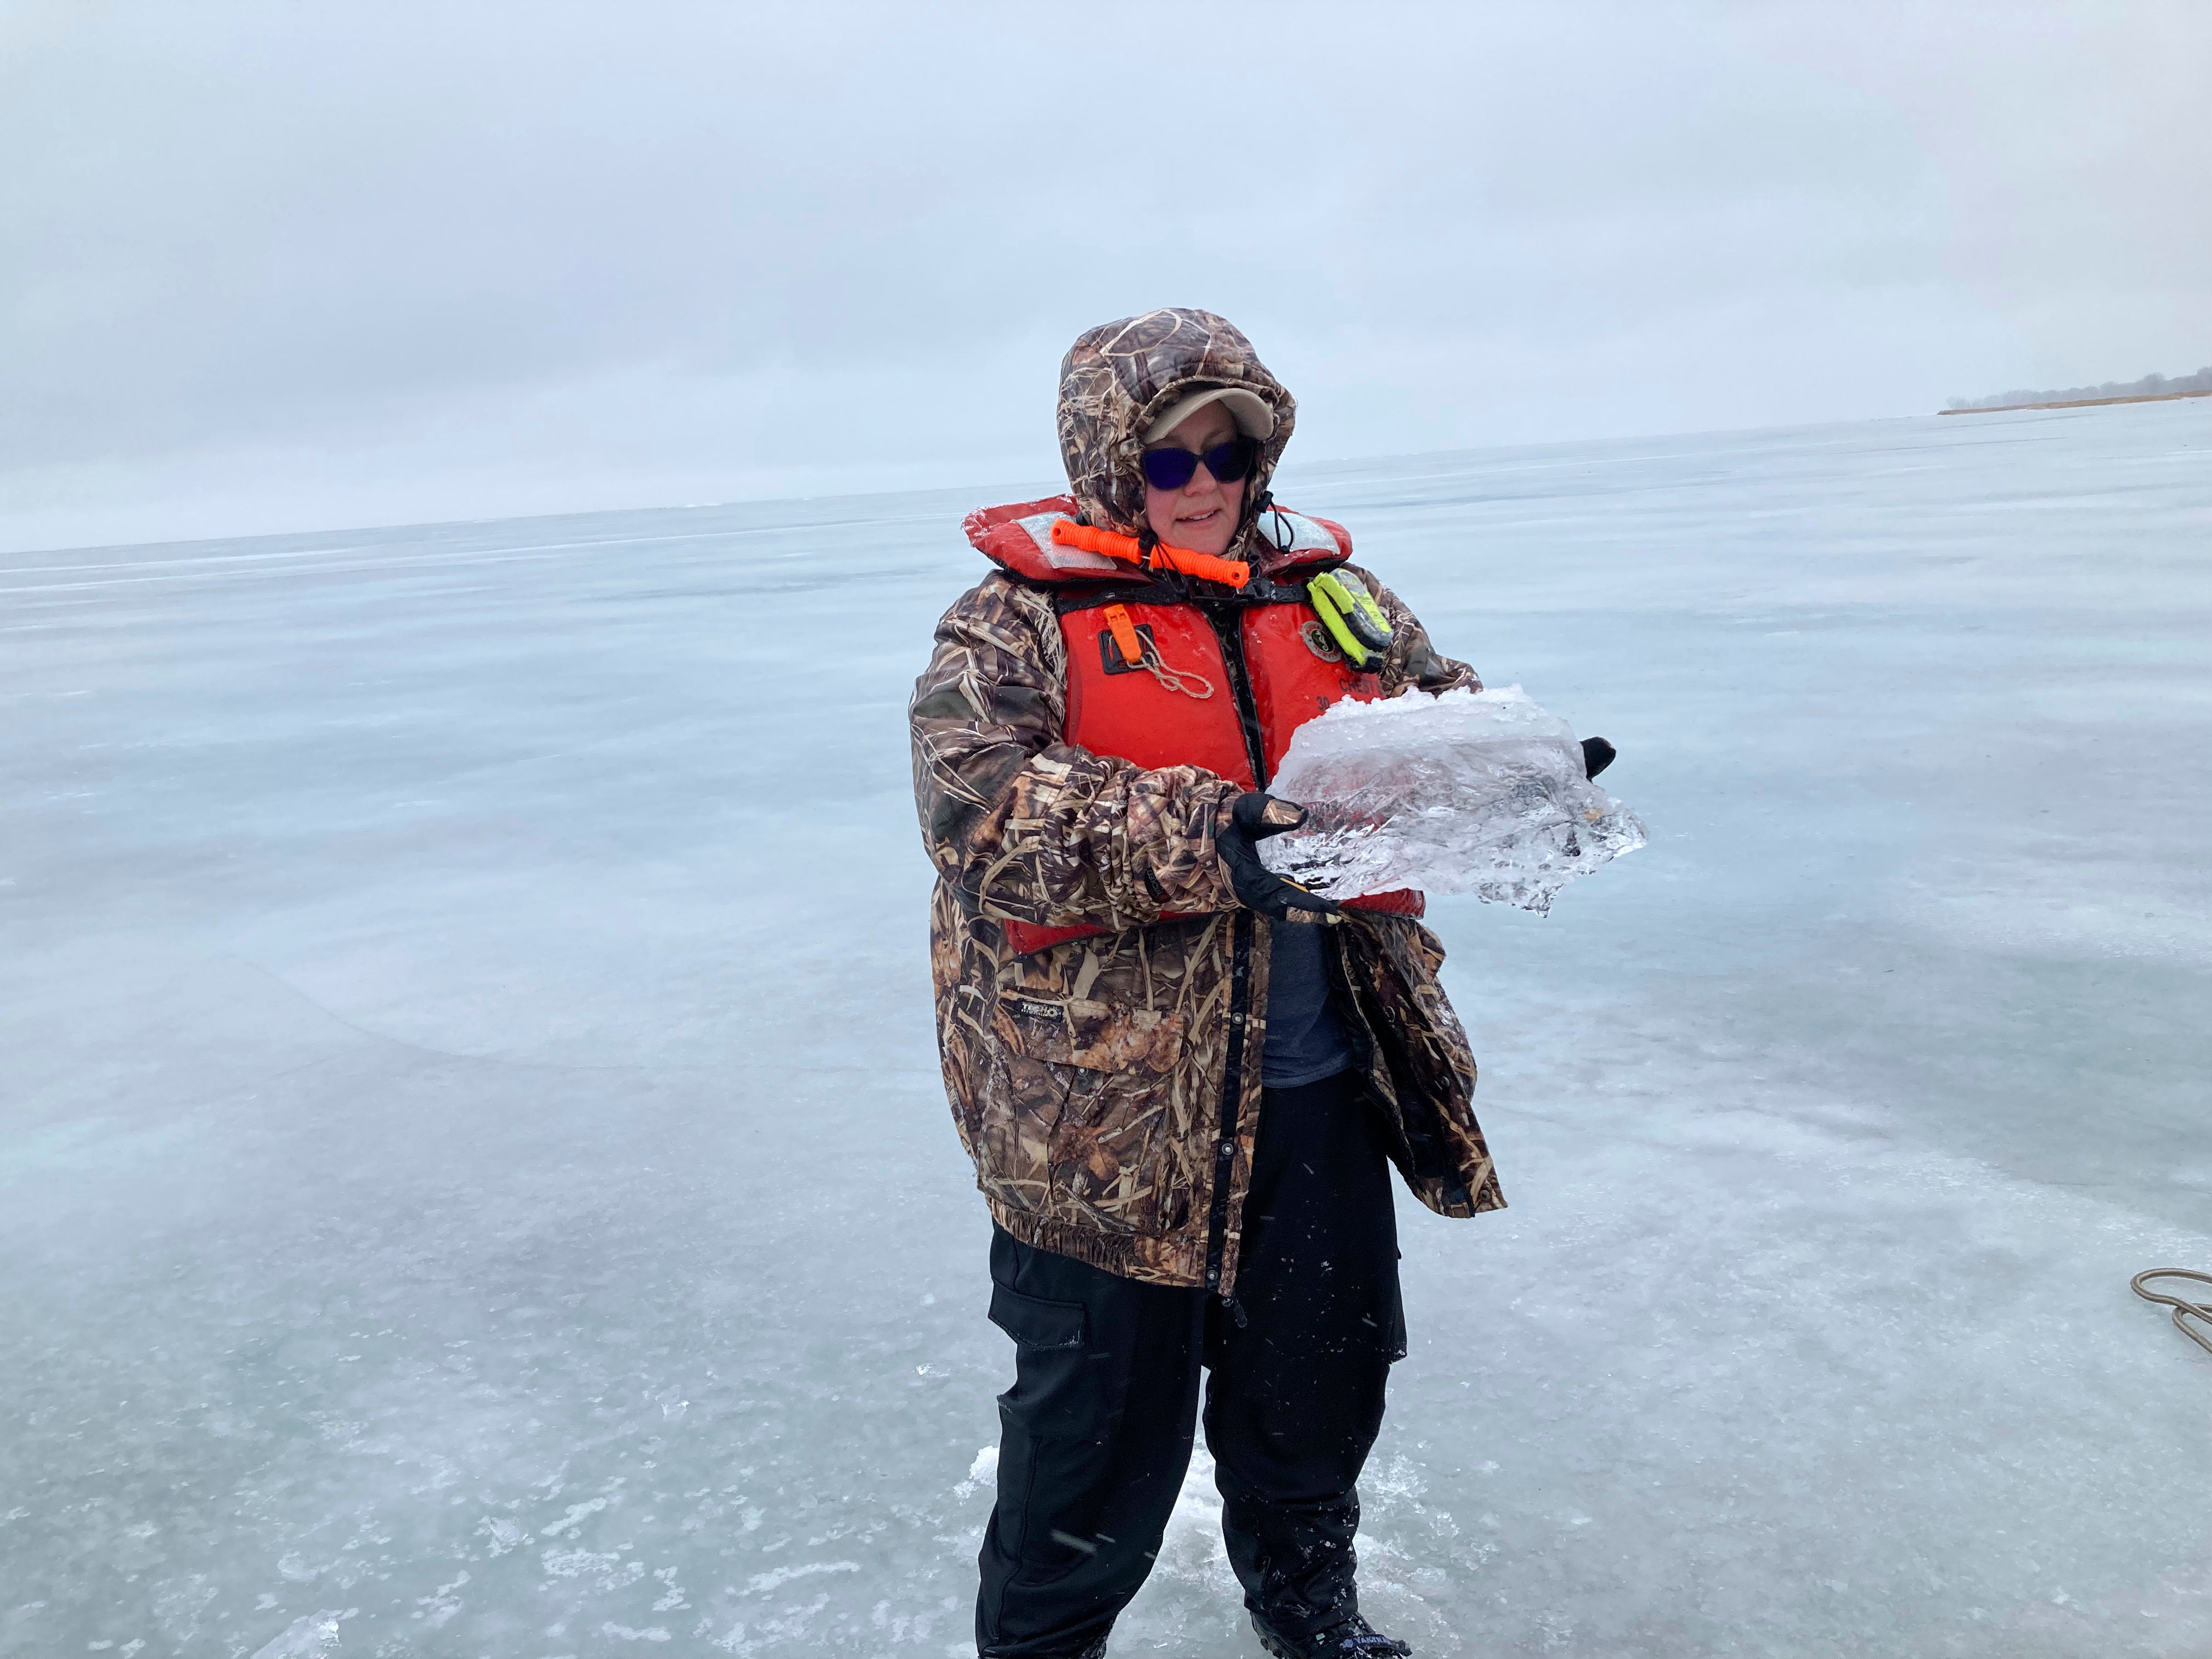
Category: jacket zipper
[1229,631]
[1232,1086]
[1231,639]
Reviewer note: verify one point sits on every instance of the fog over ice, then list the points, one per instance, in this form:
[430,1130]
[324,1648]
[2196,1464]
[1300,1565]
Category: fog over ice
[269,267]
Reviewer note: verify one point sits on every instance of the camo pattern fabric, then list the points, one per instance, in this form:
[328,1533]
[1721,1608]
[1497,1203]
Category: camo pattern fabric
[1086,1080]
[1118,376]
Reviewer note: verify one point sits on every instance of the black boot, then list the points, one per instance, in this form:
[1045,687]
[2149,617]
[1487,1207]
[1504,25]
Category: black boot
[1349,1638]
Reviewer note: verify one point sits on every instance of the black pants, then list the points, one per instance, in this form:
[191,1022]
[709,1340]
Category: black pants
[1097,1429]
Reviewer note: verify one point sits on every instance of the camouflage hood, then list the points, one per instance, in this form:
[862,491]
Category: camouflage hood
[1117,377]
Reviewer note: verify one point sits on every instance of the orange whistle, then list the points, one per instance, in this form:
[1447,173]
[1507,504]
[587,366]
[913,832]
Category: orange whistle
[1124,635]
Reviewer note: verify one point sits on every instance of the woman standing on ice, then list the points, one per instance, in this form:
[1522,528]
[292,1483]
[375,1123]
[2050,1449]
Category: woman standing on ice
[1180,1077]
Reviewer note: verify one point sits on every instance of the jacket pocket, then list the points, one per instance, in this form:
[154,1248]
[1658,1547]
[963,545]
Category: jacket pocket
[1095,1037]
[1107,1165]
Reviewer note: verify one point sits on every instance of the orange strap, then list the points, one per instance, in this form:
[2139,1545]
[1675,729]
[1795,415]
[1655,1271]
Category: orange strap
[1124,635]
[1066,533]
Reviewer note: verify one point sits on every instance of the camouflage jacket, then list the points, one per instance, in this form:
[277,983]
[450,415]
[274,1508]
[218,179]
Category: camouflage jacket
[1108,1088]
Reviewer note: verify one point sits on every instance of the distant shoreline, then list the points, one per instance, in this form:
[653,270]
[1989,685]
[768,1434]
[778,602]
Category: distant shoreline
[2083,403]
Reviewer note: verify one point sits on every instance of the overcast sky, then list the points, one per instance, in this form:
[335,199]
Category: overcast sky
[296,266]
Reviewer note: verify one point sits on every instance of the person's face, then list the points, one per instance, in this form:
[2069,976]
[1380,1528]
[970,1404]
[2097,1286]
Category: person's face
[1202,516]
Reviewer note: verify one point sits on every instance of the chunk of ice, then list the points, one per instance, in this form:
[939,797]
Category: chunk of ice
[1477,792]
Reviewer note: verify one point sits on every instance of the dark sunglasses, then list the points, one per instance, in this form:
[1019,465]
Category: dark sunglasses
[1171,468]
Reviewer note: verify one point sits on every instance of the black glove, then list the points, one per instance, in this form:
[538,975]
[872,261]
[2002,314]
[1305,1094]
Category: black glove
[1597,755]
[1254,818]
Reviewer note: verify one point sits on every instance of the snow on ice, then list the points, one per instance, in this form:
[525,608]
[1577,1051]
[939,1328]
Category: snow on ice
[464,998]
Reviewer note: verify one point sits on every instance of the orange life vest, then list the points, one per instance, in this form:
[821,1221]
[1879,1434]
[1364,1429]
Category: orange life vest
[1161,676]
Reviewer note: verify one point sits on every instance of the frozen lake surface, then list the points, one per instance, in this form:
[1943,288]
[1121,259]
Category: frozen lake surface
[474,1177]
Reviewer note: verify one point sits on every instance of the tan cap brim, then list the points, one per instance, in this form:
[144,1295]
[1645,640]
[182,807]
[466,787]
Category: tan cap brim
[1249,409]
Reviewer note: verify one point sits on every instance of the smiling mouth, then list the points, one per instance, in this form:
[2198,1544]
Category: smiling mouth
[1198,518]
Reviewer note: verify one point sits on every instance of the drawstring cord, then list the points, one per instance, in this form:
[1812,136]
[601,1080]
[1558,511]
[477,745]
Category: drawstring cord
[1141,651]
[1179,679]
